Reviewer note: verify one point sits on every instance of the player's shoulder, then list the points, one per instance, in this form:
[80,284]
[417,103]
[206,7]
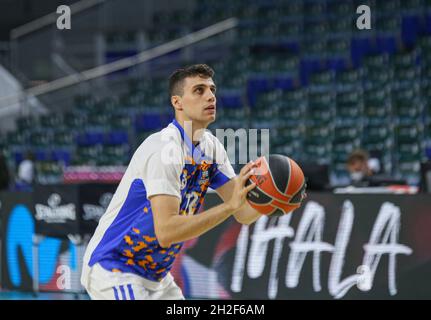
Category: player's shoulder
[168,139]
[165,136]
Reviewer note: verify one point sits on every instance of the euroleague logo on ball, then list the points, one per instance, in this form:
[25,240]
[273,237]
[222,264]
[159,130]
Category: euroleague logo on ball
[280,185]
[260,179]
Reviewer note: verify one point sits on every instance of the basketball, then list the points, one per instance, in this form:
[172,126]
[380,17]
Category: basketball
[280,185]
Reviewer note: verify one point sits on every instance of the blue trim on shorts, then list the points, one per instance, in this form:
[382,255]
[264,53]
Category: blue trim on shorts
[115,293]
[123,293]
[131,294]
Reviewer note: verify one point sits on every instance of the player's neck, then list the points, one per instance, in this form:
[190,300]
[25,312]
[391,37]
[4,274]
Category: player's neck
[193,129]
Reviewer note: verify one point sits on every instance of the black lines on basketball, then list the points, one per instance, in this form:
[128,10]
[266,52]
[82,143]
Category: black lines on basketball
[280,171]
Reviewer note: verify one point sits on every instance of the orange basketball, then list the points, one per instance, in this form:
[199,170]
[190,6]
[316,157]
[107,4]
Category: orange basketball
[280,185]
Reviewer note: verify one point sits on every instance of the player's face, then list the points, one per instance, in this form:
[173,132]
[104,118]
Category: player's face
[199,100]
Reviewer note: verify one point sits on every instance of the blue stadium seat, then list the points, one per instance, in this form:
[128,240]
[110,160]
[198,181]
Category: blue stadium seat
[117,137]
[62,155]
[90,138]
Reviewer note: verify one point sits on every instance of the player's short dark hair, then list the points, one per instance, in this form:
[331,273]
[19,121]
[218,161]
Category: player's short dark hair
[176,79]
[357,155]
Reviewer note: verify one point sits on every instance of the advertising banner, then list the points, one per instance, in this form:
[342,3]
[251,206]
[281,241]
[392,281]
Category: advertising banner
[333,247]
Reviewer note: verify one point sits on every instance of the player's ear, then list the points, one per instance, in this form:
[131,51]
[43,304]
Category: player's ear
[176,103]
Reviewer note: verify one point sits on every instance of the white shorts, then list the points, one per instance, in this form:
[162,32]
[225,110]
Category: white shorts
[107,285]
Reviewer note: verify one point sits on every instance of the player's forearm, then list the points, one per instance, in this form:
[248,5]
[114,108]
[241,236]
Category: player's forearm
[181,228]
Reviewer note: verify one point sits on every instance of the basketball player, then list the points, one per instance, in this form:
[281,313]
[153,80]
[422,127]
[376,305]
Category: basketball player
[154,208]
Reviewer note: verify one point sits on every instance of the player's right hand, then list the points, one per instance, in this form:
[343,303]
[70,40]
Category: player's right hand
[240,191]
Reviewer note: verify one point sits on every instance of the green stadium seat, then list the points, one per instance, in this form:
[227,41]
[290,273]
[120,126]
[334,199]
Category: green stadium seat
[349,97]
[377,96]
[263,64]
[341,25]
[427,129]
[377,69]
[120,121]
[344,134]
[294,7]
[269,98]
[52,120]
[319,133]
[235,81]
[389,6]
[87,155]
[411,74]
[339,47]
[382,112]
[379,77]
[295,96]
[268,31]
[409,133]
[376,133]
[404,60]
[379,146]
[426,73]
[373,62]
[114,155]
[324,78]
[291,114]
[412,6]
[290,133]
[75,120]
[314,8]
[17,138]
[404,112]
[352,111]
[314,47]
[425,48]
[41,138]
[288,64]
[321,100]
[98,120]
[346,147]
[63,138]
[340,8]
[351,79]
[26,122]
[318,150]
[84,103]
[266,113]
[388,23]
[409,151]
[290,29]
[49,172]
[407,102]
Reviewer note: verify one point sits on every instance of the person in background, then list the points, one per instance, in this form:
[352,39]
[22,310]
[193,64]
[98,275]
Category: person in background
[365,171]
[359,169]
[26,173]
